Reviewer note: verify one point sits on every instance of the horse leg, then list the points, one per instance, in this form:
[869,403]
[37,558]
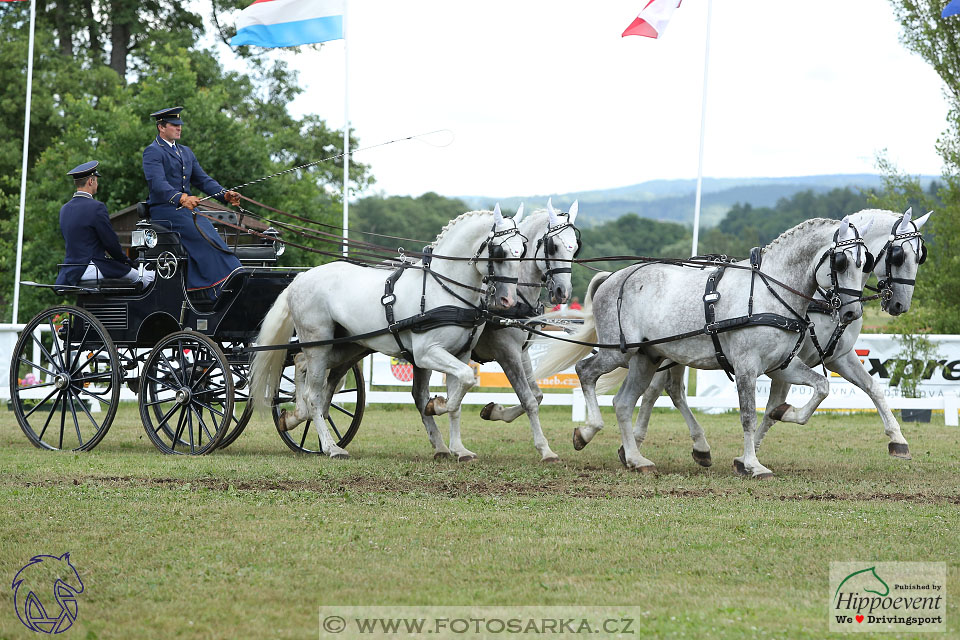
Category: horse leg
[850,367]
[510,358]
[799,373]
[456,444]
[638,378]
[589,370]
[649,398]
[494,411]
[313,390]
[747,390]
[439,359]
[677,390]
[778,395]
[290,419]
[421,396]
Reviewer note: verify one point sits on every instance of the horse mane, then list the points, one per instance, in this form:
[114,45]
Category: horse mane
[812,222]
[453,222]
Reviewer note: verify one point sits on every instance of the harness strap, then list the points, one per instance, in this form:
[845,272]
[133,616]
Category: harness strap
[388,300]
[710,298]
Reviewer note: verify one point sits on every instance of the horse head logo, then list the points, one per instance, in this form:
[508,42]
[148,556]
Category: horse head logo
[38,608]
[866,580]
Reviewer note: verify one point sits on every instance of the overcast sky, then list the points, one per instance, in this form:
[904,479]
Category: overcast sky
[544,96]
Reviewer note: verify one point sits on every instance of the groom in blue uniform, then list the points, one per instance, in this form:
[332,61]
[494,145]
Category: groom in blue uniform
[171,169]
[92,247]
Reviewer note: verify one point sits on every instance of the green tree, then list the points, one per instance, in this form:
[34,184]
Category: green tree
[238,125]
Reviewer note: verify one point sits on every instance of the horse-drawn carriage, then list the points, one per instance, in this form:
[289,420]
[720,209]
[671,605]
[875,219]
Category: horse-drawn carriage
[183,355]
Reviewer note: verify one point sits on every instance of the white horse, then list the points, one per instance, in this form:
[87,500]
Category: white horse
[654,302]
[554,242]
[895,241]
[340,300]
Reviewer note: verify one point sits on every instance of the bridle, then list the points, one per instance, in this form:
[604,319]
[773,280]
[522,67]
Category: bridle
[496,253]
[839,263]
[549,243]
[894,256]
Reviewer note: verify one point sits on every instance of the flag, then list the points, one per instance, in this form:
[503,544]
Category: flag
[654,17]
[952,9]
[289,23]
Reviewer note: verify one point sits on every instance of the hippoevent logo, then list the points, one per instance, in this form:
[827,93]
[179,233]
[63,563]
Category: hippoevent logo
[45,593]
[888,596]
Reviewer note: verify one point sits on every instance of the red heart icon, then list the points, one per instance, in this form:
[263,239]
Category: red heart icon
[859,618]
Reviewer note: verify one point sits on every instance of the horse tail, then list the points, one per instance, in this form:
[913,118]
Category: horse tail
[610,381]
[566,354]
[267,366]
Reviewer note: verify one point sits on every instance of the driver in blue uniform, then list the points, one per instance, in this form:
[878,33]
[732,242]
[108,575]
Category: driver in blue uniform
[171,169]
[92,247]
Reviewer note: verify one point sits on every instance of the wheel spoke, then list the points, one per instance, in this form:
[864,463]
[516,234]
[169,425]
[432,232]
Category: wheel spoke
[78,366]
[190,427]
[306,430]
[76,423]
[53,361]
[83,405]
[342,410]
[165,418]
[39,404]
[97,397]
[203,425]
[211,409]
[162,382]
[63,421]
[56,345]
[353,390]
[171,368]
[53,410]
[76,358]
[334,426]
[179,432]
[33,365]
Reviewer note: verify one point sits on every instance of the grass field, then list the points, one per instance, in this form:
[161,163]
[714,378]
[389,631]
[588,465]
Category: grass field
[247,543]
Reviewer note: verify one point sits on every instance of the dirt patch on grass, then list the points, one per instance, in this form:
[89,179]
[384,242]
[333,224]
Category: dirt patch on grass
[490,488]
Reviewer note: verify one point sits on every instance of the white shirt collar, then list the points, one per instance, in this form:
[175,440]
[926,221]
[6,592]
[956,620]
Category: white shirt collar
[82,194]
[169,144]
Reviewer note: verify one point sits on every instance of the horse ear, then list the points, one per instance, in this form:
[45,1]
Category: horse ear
[922,220]
[497,216]
[865,228]
[846,229]
[552,213]
[574,210]
[905,221]
[519,215]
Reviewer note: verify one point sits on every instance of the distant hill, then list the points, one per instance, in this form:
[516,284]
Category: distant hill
[673,200]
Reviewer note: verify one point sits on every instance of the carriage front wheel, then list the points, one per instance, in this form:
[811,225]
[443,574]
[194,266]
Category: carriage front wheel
[65,380]
[347,405]
[186,394]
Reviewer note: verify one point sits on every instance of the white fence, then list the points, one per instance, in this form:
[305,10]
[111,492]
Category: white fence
[940,390]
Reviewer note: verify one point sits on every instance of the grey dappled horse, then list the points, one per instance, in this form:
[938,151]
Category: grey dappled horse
[553,241]
[343,299]
[654,301]
[895,242]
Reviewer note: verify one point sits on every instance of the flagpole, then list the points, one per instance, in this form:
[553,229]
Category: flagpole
[346,127]
[23,170]
[703,128]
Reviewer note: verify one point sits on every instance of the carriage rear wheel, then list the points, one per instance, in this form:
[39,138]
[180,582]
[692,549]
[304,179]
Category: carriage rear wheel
[242,409]
[186,394]
[347,404]
[63,361]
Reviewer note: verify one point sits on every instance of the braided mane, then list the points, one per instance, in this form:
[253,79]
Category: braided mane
[453,223]
[800,227]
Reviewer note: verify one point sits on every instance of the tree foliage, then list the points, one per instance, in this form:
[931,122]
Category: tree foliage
[237,124]
[937,41]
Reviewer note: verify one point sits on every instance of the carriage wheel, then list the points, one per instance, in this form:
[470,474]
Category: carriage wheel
[56,373]
[347,404]
[242,409]
[186,394]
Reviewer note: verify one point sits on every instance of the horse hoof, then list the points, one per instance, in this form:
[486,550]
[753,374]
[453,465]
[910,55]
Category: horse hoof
[622,455]
[340,455]
[469,457]
[777,414]
[899,450]
[650,468]
[551,459]
[763,476]
[702,458]
[739,468]
[282,421]
[578,441]
[442,455]
[487,410]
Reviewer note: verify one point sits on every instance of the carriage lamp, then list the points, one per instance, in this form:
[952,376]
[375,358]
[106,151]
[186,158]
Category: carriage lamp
[143,236]
[278,247]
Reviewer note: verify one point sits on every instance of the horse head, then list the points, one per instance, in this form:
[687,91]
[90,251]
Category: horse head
[498,259]
[556,248]
[898,262]
[840,271]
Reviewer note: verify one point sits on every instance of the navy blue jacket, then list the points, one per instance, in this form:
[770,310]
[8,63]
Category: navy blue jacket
[88,237]
[170,172]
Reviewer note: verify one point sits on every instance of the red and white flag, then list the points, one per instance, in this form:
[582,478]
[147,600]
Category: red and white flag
[653,19]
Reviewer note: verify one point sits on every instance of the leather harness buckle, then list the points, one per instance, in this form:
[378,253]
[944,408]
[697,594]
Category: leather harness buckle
[388,298]
[713,296]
